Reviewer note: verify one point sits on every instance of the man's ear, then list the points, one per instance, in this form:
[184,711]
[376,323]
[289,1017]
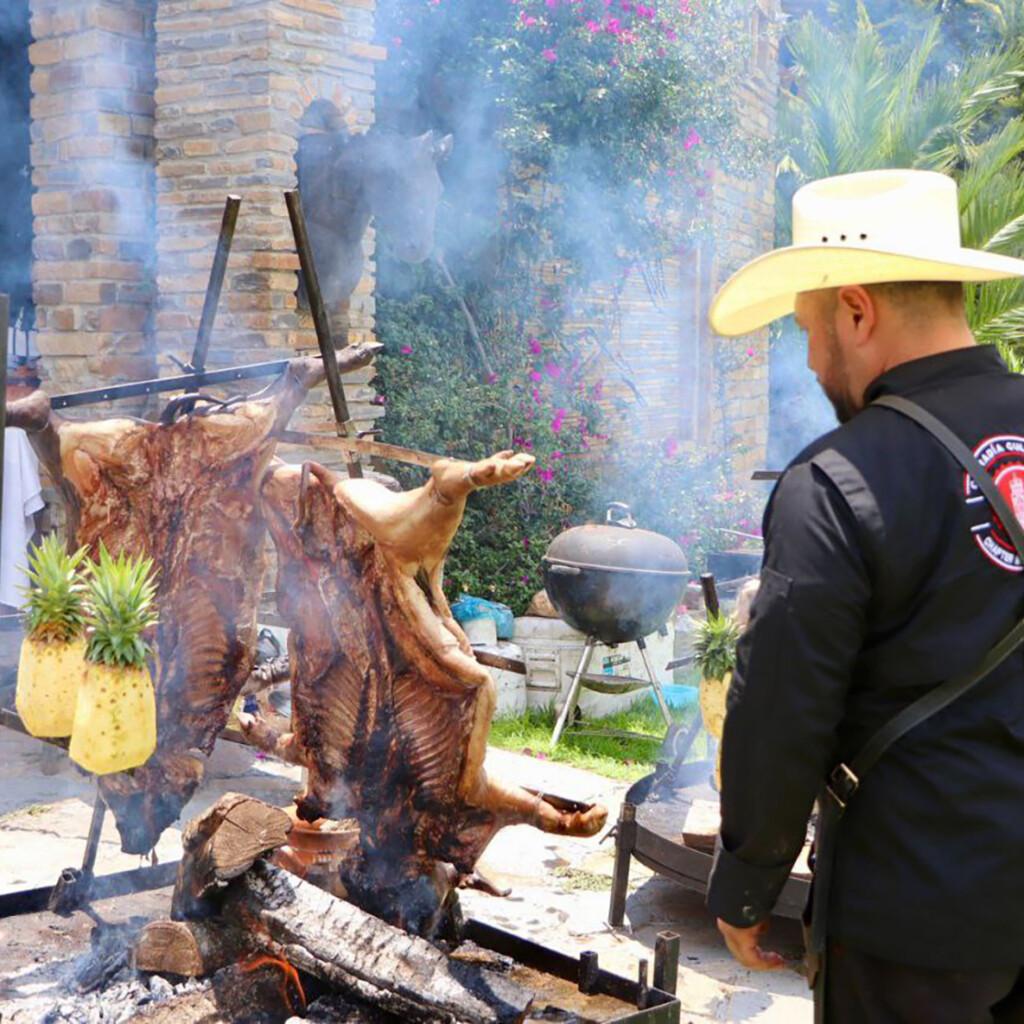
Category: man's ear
[856,308]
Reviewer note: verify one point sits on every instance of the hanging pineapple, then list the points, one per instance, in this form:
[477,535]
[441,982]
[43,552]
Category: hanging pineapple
[52,659]
[115,716]
[715,649]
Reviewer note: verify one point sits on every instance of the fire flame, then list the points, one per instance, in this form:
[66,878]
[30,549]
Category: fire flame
[290,981]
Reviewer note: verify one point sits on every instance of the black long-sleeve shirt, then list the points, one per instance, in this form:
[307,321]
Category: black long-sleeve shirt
[884,575]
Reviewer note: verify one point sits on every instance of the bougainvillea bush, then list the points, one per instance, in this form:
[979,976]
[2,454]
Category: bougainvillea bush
[585,135]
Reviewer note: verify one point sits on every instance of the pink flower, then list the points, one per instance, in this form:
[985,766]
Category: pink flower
[549,55]
[556,423]
[553,370]
[492,378]
[593,26]
[535,346]
[527,19]
[556,455]
[692,139]
[750,352]
[551,3]
[546,475]
[614,26]
[406,350]
[536,376]
[671,447]
[671,35]
[535,395]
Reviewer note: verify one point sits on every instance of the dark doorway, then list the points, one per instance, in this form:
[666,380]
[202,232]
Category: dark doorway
[15,161]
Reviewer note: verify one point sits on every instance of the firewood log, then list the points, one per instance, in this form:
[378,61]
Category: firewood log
[364,957]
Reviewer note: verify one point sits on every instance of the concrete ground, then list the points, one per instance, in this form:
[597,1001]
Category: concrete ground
[560,886]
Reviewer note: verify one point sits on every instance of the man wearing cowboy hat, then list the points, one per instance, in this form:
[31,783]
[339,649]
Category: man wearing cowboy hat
[881,673]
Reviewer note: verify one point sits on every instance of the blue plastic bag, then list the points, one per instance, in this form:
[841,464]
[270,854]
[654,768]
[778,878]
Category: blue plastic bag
[467,608]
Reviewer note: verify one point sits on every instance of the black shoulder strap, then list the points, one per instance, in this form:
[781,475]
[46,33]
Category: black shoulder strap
[937,699]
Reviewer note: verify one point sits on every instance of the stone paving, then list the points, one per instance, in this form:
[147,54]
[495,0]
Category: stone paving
[560,886]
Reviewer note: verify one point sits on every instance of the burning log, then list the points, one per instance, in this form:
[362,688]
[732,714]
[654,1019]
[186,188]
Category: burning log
[366,957]
[189,949]
[222,843]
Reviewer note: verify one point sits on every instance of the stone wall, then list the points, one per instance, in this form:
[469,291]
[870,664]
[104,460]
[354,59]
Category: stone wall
[92,145]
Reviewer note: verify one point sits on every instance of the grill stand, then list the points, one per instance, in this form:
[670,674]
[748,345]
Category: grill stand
[581,679]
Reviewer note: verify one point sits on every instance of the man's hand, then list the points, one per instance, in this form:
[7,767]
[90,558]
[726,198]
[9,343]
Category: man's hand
[743,945]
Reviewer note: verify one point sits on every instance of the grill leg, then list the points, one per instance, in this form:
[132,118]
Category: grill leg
[573,695]
[656,686]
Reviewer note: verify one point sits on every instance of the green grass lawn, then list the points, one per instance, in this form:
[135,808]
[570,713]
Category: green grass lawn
[616,758]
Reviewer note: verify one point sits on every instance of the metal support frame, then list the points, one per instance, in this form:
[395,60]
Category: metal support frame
[625,843]
[216,282]
[610,684]
[322,323]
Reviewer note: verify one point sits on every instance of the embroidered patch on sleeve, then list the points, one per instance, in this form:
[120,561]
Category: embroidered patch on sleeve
[1003,458]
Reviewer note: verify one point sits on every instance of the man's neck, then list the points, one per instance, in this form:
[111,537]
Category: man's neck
[910,346]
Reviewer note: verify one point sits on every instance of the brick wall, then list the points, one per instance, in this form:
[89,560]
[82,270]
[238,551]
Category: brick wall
[92,144]
[233,78]
[744,227]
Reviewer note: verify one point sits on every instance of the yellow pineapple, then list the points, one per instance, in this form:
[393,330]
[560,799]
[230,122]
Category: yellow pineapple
[715,648]
[115,715]
[52,660]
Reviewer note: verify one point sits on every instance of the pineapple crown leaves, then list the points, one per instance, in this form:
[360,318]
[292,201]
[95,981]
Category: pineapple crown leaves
[55,596]
[122,606]
[715,645]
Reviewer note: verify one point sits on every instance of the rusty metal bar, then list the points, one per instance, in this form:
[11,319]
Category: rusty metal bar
[666,962]
[351,444]
[625,842]
[321,322]
[216,282]
[5,316]
[711,603]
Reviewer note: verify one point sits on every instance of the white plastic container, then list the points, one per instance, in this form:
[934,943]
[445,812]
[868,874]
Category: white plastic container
[552,649]
[511,686]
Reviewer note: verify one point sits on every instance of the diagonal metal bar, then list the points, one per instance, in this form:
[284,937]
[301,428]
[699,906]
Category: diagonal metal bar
[322,324]
[216,282]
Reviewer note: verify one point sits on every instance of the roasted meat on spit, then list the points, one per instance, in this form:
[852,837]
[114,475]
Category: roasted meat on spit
[390,709]
[185,493]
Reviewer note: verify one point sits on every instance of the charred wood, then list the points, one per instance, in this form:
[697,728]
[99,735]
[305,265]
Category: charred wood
[365,957]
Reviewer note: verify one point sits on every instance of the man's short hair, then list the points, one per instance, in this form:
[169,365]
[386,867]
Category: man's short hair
[920,294]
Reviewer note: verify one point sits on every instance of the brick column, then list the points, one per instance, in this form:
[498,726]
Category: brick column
[233,79]
[92,140]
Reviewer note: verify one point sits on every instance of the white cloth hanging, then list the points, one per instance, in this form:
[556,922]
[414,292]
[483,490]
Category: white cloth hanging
[22,499]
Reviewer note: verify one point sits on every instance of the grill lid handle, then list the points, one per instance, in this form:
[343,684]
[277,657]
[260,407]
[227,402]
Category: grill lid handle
[620,514]
[564,570]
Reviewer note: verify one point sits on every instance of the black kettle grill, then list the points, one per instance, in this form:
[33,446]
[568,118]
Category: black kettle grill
[617,584]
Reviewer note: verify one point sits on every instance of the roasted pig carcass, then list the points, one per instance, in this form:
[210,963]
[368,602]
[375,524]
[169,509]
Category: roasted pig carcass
[184,492]
[390,709]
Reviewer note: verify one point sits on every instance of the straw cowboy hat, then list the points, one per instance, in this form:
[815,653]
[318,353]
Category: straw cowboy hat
[866,228]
